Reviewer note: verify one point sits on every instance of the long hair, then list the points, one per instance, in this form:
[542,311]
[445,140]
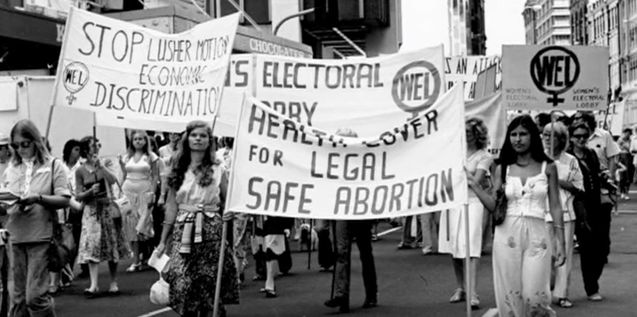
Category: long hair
[508,155]
[479,131]
[181,159]
[131,147]
[560,133]
[27,129]
[68,148]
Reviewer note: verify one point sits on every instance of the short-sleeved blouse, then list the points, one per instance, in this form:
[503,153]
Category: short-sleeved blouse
[33,223]
[479,160]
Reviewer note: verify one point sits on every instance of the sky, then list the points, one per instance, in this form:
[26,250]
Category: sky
[425,24]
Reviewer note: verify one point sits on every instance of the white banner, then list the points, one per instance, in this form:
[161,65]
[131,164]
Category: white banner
[368,94]
[554,77]
[613,118]
[491,111]
[465,69]
[284,168]
[131,73]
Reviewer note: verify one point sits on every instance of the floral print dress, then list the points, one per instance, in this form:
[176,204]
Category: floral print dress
[192,276]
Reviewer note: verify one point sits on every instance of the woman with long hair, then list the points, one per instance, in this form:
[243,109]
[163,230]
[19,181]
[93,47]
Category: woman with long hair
[101,238]
[41,183]
[589,225]
[570,183]
[140,174]
[523,245]
[452,232]
[194,211]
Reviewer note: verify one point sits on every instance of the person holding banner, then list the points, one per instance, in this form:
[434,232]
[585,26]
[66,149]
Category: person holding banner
[140,174]
[194,211]
[523,244]
[346,231]
[452,231]
[101,239]
[571,183]
[41,183]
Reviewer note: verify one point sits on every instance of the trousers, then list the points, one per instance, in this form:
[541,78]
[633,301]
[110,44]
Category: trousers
[346,231]
[31,281]
[522,251]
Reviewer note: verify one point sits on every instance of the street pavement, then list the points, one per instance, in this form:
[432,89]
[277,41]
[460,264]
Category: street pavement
[410,284]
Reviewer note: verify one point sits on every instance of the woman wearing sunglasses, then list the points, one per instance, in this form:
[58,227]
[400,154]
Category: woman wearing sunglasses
[42,184]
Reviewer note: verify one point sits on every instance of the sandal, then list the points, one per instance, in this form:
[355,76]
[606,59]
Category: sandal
[475,302]
[565,303]
[91,294]
[113,290]
[458,296]
[134,267]
[270,293]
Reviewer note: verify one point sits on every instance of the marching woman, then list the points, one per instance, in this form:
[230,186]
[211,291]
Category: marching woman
[42,184]
[571,183]
[140,174]
[101,238]
[523,245]
[194,210]
[452,230]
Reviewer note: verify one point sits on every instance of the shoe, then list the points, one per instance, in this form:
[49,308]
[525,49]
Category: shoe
[113,290]
[325,270]
[258,278]
[53,290]
[458,296]
[339,301]
[427,251]
[565,303]
[269,293]
[370,302]
[597,297]
[475,302]
[404,246]
[134,267]
[91,294]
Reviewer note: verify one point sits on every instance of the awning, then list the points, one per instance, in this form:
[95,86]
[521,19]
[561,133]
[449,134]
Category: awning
[31,27]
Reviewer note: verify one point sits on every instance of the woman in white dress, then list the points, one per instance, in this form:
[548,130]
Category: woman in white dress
[523,245]
[141,174]
[571,182]
[452,222]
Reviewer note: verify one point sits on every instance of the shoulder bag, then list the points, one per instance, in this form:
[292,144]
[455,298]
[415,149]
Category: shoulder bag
[500,211]
[57,253]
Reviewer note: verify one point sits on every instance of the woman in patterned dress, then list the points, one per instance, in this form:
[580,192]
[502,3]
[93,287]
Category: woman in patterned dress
[141,174]
[101,238]
[197,191]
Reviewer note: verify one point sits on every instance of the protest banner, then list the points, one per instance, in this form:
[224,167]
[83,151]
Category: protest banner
[128,72]
[491,111]
[465,70]
[554,77]
[290,169]
[367,93]
[613,118]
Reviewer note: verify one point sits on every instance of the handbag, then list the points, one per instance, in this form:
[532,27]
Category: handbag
[57,253]
[500,210]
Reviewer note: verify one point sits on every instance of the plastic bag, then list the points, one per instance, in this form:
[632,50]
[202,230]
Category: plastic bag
[160,292]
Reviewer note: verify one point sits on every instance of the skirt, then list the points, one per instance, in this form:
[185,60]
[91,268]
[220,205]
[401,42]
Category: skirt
[453,230]
[101,238]
[138,224]
[192,277]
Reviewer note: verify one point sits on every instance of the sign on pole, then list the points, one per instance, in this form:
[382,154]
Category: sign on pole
[285,168]
[554,77]
[129,72]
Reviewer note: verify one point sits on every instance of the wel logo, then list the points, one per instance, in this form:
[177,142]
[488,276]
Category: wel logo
[416,87]
[555,70]
[74,77]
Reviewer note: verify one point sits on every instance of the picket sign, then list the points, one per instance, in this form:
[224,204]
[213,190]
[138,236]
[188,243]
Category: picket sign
[554,77]
[464,70]
[285,168]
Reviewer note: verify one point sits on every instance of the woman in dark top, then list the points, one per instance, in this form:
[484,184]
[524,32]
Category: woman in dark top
[587,207]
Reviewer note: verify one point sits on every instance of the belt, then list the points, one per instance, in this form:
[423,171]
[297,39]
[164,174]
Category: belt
[192,216]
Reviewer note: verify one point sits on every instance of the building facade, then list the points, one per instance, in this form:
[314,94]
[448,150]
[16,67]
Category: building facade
[547,22]
[466,27]
[604,25]
[579,27]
